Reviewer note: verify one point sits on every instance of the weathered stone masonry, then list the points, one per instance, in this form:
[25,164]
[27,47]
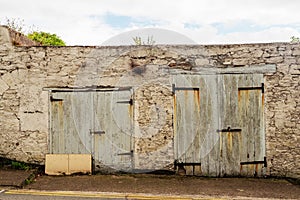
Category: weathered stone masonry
[26,73]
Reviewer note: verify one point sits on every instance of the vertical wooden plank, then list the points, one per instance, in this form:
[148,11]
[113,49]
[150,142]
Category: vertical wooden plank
[69,120]
[57,128]
[243,99]
[123,122]
[110,136]
[78,122]
[258,118]
[188,124]
[236,139]
[223,123]
[209,115]
[251,120]
[205,122]
[230,141]
[113,116]
[99,117]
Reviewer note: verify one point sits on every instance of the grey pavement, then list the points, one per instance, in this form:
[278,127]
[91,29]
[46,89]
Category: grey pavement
[141,187]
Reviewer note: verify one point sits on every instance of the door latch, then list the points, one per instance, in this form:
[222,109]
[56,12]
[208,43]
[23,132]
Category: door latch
[125,154]
[97,132]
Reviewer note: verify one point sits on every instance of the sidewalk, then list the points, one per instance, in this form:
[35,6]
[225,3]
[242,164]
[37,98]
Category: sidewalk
[14,178]
[167,185]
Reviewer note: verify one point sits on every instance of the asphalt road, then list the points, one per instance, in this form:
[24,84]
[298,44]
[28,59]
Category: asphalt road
[65,195]
[4,196]
[35,197]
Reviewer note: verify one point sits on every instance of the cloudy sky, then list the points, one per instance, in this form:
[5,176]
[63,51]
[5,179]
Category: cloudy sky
[92,22]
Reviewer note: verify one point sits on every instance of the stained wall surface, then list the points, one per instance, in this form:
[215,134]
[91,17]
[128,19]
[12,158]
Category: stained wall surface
[29,74]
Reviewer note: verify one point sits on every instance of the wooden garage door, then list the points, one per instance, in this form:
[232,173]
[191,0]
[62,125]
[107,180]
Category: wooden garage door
[95,122]
[219,129]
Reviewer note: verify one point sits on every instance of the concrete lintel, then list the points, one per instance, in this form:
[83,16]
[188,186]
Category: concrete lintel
[209,70]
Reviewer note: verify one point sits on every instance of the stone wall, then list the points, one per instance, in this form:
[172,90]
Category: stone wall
[28,73]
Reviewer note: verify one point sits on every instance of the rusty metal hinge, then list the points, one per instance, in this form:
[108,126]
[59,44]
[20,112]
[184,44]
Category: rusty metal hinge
[183,88]
[126,154]
[52,99]
[262,88]
[255,162]
[126,102]
[229,130]
[97,132]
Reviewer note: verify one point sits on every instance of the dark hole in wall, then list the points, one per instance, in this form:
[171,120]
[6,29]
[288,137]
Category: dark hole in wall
[139,70]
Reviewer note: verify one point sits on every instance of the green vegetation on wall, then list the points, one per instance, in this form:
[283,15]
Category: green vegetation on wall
[46,39]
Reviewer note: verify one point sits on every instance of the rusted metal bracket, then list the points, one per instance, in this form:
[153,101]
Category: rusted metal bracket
[262,88]
[255,162]
[97,132]
[183,88]
[54,99]
[126,154]
[181,164]
[229,130]
[126,102]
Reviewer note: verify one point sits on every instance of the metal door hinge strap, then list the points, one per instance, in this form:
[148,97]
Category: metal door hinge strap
[127,153]
[183,88]
[229,130]
[255,162]
[181,164]
[262,88]
[52,99]
[97,132]
[126,102]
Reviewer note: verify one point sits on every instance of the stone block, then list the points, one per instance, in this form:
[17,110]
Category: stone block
[33,100]
[4,36]
[11,79]
[202,61]
[273,60]
[3,86]
[284,68]
[240,62]
[295,69]
[34,122]
[296,52]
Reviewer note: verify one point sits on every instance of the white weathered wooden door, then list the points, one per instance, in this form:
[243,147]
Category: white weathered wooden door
[219,124]
[112,130]
[98,122]
[70,122]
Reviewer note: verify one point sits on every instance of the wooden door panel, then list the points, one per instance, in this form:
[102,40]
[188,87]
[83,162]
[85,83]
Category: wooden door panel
[95,122]
[224,130]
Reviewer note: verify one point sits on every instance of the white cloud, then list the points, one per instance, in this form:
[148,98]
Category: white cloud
[71,19]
